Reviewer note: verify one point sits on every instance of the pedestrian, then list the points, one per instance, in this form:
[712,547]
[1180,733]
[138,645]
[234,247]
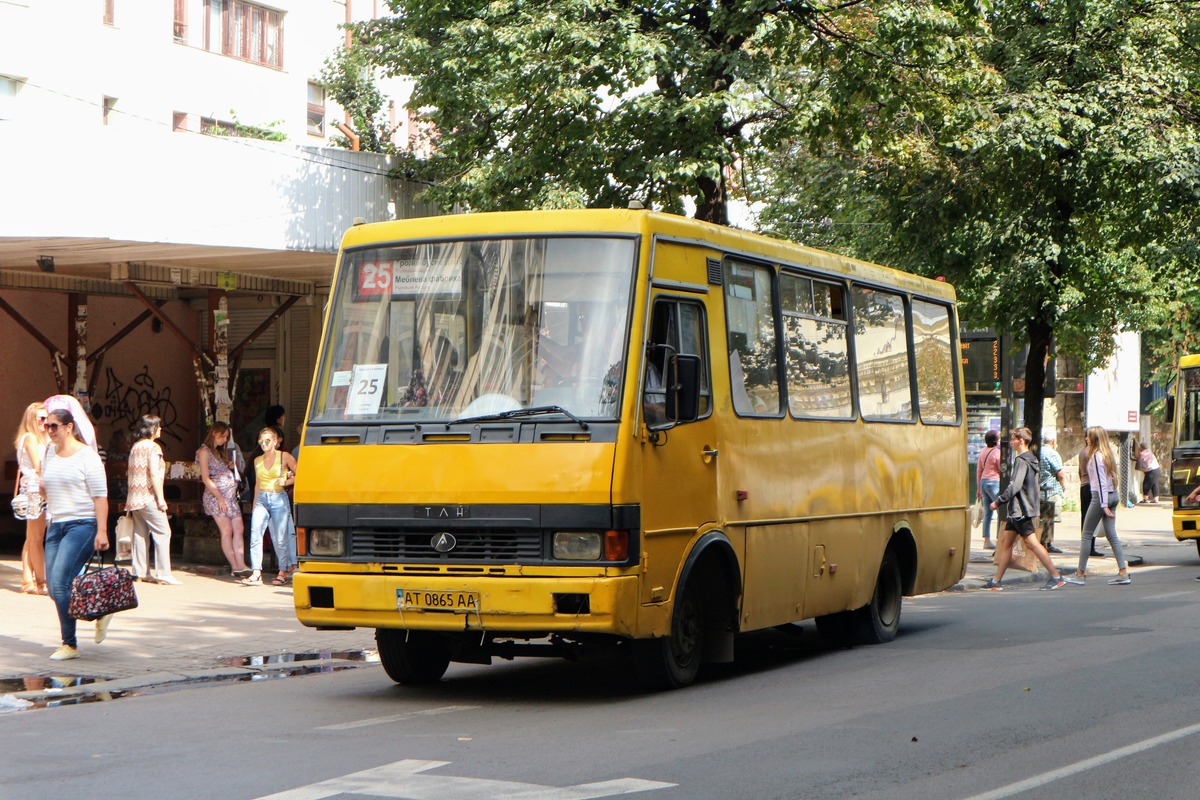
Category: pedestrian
[76,493]
[144,500]
[274,471]
[1022,498]
[1050,485]
[31,442]
[1151,472]
[987,484]
[215,460]
[1085,495]
[1101,467]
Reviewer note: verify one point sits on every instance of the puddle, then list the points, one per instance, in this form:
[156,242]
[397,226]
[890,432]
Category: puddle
[50,684]
[305,659]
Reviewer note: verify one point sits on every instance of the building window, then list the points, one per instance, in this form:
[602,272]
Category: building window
[316,109]
[110,103]
[244,30]
[109,11]
[181,21]
[216,127]
[179,121]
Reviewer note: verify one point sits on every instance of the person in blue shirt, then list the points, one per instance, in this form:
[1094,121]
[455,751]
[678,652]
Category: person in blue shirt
[1050,484]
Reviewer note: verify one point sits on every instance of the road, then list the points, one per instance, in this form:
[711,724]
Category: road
[1084,692]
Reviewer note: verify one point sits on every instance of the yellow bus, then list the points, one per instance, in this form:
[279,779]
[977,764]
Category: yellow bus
[539,433]
[1184,414]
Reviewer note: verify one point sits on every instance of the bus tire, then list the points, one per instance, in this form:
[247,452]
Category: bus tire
[880,619]
[875,623]
[412,657]
[1197,541]
[673,661]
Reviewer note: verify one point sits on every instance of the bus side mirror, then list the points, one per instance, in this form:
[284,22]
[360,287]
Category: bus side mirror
[1170,408]
[683,388]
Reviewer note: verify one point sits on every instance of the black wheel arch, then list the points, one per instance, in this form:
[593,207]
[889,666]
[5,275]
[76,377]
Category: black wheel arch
[712,557]
[904,547]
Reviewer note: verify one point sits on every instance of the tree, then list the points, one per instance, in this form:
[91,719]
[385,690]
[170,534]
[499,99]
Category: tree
[558,103]
[1054,181]
[349,79]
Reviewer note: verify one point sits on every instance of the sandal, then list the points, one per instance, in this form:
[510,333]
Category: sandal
[255,579]
[29,588]
[281,579]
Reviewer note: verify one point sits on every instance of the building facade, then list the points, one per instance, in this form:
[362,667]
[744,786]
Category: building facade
[173,207]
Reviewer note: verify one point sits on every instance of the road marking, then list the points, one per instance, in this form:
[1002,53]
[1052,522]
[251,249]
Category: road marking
[403,779]
[1082,766]
[364,723]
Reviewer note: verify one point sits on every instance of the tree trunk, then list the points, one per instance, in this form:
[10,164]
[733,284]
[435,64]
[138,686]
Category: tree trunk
[1039,331]
[714,204]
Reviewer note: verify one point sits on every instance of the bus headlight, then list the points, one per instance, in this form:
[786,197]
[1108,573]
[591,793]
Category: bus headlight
[326,542]
[577,545]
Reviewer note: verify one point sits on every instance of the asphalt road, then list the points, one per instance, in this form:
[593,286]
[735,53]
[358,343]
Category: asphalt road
[1084,692]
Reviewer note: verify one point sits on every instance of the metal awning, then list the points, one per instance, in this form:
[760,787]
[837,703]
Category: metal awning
[163,270]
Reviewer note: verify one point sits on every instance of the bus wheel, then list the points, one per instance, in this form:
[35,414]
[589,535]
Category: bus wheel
[876,622]
[880,619]
[412,657]
[673,661]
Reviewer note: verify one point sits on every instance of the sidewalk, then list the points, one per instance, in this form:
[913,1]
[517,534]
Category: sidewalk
[213,628]
[208,628]
[1141,529]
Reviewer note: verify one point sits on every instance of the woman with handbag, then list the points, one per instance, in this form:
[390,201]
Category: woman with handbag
[31,442]
[76,492]
[215,460]
[146,504]
[1101,467]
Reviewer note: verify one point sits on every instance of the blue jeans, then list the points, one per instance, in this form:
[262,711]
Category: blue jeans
[990,489]
[69,545]
[273,507]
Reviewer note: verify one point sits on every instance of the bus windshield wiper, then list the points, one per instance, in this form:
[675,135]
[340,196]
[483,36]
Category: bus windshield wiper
[533,411]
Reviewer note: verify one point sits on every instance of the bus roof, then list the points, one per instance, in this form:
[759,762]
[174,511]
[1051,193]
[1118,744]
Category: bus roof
[641,223]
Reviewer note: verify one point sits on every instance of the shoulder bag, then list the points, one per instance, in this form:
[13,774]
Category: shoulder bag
[101,591]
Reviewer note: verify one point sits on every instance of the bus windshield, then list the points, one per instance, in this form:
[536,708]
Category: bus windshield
[439,331]
[1187,431]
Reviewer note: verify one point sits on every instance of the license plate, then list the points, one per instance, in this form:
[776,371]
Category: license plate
[428,600]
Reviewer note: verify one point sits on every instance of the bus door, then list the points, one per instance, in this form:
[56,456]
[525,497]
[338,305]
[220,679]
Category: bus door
[679,459]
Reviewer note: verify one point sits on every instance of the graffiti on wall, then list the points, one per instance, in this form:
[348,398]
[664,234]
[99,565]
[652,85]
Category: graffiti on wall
[129,402]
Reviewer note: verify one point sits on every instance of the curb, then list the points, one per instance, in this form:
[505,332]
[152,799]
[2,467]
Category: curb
[155,679]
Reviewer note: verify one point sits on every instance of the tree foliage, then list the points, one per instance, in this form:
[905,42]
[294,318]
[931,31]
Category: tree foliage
[551,103]
[1054,182]
[348,77]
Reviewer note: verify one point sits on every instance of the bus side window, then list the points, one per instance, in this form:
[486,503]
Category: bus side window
[676,327]
[750,316]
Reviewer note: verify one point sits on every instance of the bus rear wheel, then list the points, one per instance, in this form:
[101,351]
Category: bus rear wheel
[412,657]
[875,623]
[673,661]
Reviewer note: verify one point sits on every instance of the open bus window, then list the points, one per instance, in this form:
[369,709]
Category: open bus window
[677,327]
[881,350]
[457,326]
[750,317]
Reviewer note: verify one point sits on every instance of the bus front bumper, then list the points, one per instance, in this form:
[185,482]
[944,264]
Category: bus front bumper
[511,605]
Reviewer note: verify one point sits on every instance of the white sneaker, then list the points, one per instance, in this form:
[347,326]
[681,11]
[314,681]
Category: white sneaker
[64,653]
[170,580]
[102,627]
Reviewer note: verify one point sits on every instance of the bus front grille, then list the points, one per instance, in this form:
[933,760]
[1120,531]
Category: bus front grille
[484,546]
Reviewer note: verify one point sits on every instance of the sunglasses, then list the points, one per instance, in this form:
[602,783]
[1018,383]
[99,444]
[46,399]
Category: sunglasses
[265,441]
[53,426]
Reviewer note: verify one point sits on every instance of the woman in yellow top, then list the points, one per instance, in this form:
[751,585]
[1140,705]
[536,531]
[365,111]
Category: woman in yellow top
[274,471]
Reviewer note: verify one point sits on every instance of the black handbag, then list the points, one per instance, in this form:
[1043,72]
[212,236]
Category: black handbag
[101,591]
